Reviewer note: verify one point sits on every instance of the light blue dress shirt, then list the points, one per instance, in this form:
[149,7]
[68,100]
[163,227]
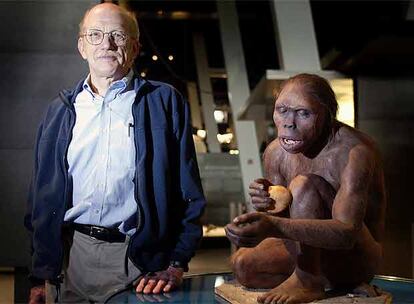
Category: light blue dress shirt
[101,158]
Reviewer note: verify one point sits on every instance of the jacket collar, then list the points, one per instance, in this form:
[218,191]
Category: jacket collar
[68,97]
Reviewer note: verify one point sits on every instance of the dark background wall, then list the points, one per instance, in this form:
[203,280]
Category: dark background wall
[38,58]
[386,112]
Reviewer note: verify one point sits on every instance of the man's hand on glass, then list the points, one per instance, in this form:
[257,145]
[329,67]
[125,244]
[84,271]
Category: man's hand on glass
[160,281]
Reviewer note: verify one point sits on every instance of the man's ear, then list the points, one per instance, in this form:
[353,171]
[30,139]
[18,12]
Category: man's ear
[81,48]
[137,48]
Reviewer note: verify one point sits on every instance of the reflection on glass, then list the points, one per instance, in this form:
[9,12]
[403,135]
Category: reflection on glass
[219,281]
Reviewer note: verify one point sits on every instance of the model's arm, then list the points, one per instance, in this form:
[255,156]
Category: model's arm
[340,232]
[258,189]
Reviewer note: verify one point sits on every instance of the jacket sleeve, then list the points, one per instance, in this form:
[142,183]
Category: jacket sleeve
[29,205]
[190,184]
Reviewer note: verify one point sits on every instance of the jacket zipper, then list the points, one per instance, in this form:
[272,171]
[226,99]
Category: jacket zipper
[136,189]
[65,173]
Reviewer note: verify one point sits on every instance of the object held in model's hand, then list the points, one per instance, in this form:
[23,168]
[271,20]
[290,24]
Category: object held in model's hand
[282,197]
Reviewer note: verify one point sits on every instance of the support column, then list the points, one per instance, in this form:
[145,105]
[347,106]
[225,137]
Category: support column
[206,92]
[295,35]
[238,93]
[196,119]
[410,17]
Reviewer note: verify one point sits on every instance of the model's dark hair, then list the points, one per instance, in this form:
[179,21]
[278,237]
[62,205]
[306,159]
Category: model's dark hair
[317,88]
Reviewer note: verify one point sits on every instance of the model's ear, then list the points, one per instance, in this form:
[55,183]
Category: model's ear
[81,47]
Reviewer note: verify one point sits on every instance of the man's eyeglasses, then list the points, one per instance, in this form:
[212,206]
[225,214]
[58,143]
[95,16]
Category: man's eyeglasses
[96,37]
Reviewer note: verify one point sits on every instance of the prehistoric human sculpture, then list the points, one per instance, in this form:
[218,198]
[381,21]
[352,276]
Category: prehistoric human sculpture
[330,236]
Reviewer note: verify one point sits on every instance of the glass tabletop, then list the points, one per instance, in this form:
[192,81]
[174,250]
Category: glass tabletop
[195,289]
[200,289]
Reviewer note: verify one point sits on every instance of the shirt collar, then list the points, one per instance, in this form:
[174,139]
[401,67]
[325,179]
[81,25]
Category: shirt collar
[117,86]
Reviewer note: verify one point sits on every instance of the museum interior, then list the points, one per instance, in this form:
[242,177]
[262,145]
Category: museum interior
[228,58]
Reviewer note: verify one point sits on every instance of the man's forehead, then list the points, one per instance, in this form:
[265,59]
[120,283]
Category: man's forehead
[99,16]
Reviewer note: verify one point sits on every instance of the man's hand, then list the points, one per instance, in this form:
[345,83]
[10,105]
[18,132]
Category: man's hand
[37,295]
[161,281]
[258,191]
[248,230]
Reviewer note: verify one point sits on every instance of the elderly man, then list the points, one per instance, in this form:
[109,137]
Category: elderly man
[115,174]
[330,236]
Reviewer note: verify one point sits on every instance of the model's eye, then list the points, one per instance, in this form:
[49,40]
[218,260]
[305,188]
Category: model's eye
[302,113]
[281,109]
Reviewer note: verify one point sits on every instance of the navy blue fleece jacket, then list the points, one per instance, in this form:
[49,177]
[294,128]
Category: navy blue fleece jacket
[167,184]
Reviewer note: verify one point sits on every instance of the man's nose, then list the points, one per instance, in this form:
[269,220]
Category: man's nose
[108,42]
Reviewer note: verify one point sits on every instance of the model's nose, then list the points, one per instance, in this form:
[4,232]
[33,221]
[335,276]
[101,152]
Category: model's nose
[289,122]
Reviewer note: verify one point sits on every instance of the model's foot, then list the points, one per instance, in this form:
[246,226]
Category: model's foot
[293,290]
[366,290]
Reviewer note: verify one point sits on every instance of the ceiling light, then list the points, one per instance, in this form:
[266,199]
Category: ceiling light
[220,116]
[154,57]
[225,138]
[170,57]
[180,15]
[201,133]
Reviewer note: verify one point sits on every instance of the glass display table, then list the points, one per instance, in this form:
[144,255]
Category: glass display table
[200,289]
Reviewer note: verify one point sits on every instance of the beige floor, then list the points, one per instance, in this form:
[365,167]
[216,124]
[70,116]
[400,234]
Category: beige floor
[205,261]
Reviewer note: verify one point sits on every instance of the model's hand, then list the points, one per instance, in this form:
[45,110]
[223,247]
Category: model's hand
[161,281]
[37,295]
[248,230]
[258,191]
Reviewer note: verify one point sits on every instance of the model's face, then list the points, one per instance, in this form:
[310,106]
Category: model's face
[109,59]
[299,119]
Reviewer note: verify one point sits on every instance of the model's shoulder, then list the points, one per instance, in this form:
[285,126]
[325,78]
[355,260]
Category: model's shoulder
[355,138]
[356,143]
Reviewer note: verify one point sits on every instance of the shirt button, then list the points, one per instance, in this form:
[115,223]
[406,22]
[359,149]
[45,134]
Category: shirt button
[96,211]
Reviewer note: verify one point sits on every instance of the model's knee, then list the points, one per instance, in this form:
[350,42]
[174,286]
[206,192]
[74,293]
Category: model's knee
[310,196]
[243,265]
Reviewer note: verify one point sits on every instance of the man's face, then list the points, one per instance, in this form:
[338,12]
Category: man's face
[299,119]
[107,59]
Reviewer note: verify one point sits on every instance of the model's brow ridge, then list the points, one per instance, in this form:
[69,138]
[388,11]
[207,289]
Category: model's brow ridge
[293,108]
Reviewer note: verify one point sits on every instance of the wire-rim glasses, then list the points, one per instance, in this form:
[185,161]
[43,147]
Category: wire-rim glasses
[95,36]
